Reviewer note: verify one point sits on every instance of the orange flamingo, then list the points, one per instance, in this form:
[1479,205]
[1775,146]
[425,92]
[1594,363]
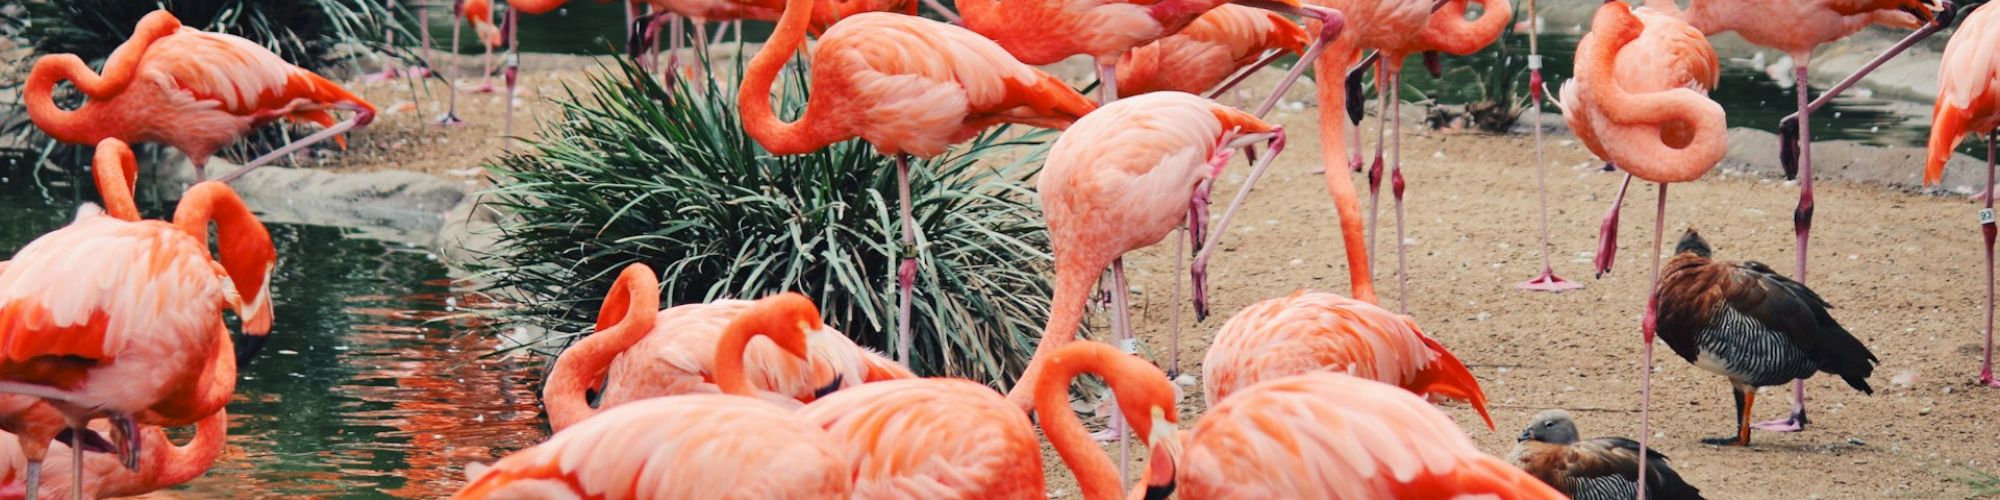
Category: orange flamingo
[683,350]
[698,446]
[1045,31]
[1639,101]
[910,86]
[193,90]
[152,330]
[687,446]
[933,438]
[1329,435]
[1210,49]
[1145,397]
[164,465]
[1797,27]
[1968,83]
[1318,331]
[1121,179]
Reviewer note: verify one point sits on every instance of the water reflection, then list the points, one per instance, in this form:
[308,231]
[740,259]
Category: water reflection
[372,384]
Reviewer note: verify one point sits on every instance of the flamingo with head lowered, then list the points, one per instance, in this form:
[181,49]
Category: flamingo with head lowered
[192,90]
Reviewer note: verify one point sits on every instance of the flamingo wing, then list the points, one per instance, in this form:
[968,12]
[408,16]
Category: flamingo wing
[243,78]
[89,289]
[1968,84]
[932,438]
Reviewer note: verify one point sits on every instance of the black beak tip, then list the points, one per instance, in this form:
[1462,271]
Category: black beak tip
[829,388]
[247,347]
[92,441]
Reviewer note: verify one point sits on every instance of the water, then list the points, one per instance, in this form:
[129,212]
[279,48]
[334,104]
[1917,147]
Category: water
[369,386]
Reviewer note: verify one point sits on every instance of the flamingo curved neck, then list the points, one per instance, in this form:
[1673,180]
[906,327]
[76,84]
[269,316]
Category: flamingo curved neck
[117,175]
[1649,158]
[729,376]
[243,246]
[625,319]
[1455,35]
[120,69]
[1339,180]
[753,99]
[1092,468]
[186,462]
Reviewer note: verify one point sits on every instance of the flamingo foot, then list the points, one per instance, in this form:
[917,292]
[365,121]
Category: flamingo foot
[1982,196]
[1549,282]
[1987,379]
[447,120]
[483,88]
[126,433]
[1794,423]
[387,74]
[418,72]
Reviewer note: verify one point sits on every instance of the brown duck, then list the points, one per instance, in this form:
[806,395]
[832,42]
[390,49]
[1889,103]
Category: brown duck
[1746,322]
[1605,468]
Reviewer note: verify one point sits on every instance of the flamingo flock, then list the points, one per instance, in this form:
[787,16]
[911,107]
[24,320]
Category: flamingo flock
[112,328]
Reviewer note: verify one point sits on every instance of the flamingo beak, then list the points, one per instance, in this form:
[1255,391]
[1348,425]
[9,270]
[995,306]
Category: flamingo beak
[1163,465]
[829,387]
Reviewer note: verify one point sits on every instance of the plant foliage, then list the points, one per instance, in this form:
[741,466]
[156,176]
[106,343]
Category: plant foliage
[635,172]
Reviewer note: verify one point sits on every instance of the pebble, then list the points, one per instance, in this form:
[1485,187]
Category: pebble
[1924,411]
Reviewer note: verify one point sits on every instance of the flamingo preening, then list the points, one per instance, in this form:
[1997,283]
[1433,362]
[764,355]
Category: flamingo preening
[910,86]
[193,90]
[1968,101]
[1639,101]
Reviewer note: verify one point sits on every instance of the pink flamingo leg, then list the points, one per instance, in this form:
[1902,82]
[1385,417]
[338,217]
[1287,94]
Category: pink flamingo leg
[1331,22]
[1396,188]
[949,16]
[510,74]
[1802,226]
[1607,233]
[906,274]
[1988,231]
[388,64]
[361,119]
[1199,272]
[1244,74]
[1107,82]
[1547,281]
[1788,126]
[1648,326]
[1375,169]
[450,116]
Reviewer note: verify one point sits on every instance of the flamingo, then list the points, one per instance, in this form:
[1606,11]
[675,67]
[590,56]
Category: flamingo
[1743,321]
[151,329]
[1205,53]
[1593,469]
[1318,331]
[1638,101]
[1121,179]
[1329,435]
[164,465]
[697,446]
[480,14]
[1146,399]
[1547,281]
[683,350]
[1797,27]
[1045,31]
[700,12]
[932,438]
[193,90]
[1968,82]
[910,86]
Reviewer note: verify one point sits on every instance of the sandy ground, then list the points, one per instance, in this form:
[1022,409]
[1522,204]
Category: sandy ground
[1902,269]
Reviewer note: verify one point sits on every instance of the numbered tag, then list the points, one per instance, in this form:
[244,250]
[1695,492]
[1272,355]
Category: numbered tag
[1130,346]
[1986,216]
[1534,61]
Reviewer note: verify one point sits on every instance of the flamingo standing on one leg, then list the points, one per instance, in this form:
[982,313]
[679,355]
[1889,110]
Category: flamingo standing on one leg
[480,14]
[1318,331]
[151,328]
[1547,281]
[1797,27]
[1638,101]
[193,90]
[1228,40]
[1969,102]
[648,353]
[1329,435]
[910,86]
[1123,178]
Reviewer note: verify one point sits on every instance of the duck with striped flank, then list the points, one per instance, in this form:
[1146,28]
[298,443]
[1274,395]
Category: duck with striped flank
[1605,468]
[1744,321]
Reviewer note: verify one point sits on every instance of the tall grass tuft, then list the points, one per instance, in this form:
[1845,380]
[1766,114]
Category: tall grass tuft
[635,172]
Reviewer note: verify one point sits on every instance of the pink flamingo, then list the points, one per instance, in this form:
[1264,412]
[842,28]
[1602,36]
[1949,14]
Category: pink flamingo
[1145,398]
[1639,101]
[933,438]
[1318,331]
[1966,103]
[1329,435]
[164,465]
[1547,281]
[480,14]
[1121,179]
[1046,31]
[701,12]
[1797,28]
[910,86]
[682,350]
[1220,43]
[152,330]
[193,90]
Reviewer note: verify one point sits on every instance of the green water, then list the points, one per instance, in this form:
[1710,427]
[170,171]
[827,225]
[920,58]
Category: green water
[366,388]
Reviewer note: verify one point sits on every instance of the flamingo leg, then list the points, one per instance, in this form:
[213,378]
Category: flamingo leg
[361,119]
[1607,233]
[1107,79]
[906,274]
[451,110]
[388,64]
[34,478]
[1199,272]
[1181,241]
[1375,169]
[1648,327]
[486,73]
[675,35]
[1547,281]
[949,16]
[721,31]
[1788,127]
[510,74]
[1802,226]
[1331,22]
[1987,230]
[1121,335]
[1245,73]
[76,462]
[1396,188]
[631,16]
